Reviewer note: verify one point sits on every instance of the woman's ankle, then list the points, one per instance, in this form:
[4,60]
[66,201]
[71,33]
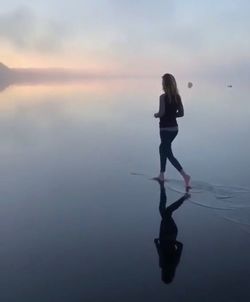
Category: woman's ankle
[183,173]
[161,176]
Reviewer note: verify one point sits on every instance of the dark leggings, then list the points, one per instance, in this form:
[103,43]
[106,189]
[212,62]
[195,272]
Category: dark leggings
[166,150]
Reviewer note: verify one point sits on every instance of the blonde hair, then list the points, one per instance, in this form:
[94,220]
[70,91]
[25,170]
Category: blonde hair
[169,86]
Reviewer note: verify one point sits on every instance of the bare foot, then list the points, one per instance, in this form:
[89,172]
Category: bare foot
[160,177]
[160,180]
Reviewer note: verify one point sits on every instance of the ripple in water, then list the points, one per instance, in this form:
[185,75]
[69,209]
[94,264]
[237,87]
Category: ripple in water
[232,203]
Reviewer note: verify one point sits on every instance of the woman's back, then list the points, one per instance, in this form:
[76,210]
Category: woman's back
[171,108]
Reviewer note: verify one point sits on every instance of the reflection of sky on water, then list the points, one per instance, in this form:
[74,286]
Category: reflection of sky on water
[68,195]
[108,125]
[117,118]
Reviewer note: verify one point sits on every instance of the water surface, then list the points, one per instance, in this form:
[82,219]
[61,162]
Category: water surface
[78,223]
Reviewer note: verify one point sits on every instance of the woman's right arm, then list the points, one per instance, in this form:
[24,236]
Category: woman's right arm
[161,107]
[180,110]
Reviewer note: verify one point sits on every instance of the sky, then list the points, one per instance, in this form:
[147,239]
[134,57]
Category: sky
[208,38]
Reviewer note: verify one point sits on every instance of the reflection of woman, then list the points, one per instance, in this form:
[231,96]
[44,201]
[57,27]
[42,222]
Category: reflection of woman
[170,108]
[169,249]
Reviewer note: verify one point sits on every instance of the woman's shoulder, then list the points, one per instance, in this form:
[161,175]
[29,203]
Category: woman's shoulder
[162,98]
[165,96]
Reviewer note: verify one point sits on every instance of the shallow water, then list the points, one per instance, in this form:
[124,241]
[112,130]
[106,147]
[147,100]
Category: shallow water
[79,213]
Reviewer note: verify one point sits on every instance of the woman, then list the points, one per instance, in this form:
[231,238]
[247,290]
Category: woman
[170,108]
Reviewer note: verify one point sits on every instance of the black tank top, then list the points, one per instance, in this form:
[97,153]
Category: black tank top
[171,108]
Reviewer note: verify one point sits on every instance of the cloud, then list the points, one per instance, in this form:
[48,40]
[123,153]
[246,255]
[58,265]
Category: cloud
[25,31]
